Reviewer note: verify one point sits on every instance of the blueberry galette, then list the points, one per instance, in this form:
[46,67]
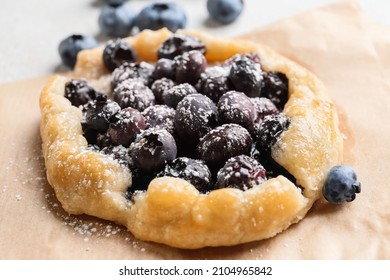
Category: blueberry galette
[188,139]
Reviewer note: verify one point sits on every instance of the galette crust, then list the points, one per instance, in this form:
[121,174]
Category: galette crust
[172,211]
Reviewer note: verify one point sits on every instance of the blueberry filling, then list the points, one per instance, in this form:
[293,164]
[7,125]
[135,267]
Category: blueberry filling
[213,126]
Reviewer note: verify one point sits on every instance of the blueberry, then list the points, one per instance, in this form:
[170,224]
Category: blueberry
[160,86]
[165,68]
[190,66]
[152,149]
[115,2]
[263,107]
[225,11]
[179,44]
[269,131]
[116,20]
[133,93]
[79,92]
[116,52]
[251,56]
[275,87]
[222,143]
[70,47]
[129,122]
[100,112]
[161,14]
[214,82]
[236,107]
[341,185]
[139,70]
[195,116]
[241,172]
[192,170]
[246,76]
[160,116]
[174,95]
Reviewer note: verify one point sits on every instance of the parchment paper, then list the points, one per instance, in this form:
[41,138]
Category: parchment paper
[351,55]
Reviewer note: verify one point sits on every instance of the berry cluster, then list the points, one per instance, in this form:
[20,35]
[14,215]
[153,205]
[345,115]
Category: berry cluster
[210,125]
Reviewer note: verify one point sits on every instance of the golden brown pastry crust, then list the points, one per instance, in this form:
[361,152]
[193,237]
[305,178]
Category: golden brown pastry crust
[172,211]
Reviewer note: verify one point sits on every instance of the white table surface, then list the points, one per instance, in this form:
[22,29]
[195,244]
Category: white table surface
[32,29]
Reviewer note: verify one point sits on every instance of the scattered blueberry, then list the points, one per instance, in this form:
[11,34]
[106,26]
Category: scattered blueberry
[194,171]
[241,172]
[116,52]
[222,143]
[341,185]
[115,2]
[72,45]
[225,11]
[116,20]
[129,122]
[133,93]
[162,14]
[179,44]
[152,149]
[79,92]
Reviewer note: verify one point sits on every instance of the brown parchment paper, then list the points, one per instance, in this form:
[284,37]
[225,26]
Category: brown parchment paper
[349,52]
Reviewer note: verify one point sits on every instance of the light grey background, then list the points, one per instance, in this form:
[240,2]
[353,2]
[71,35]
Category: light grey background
[30,30]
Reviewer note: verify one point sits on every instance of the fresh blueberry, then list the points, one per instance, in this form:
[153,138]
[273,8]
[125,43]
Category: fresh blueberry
[115,2]
[189,67]
[179,44]
[70,47]
[341,185]
[241,172]
[160,86]
[214,82]
[225,11]
[165,68]
[160,116]
[100,113]
[116,20]
[116,52]
[192,170]
[162,14]
[174,95]
[152,149]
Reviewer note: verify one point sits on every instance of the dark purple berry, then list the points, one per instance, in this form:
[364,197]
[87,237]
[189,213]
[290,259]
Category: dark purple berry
[133,93]
[160,116]
[236,107]
[241,172]
[79,92]
[158,15]
[100,112]
[179,44]
[195,116]
[275,87]
[164,68]
[194,171]
[222,143]
[341,185]
[116,52]
[152,149]
[269,131]
[263,107]
[103,140]
[174,95]
[119,153]
[160,86]
[189,67]
[129,122]
[251,56]
[247,77]
[142,71]
[214,82]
